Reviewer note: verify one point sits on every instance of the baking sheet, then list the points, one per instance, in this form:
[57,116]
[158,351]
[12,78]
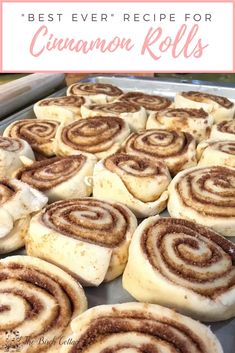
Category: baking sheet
[111,293]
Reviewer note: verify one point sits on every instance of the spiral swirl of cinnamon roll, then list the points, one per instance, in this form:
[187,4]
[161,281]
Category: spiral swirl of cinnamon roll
[73,101]
[99,136]
[10,144]
[138,327]
[133,114]
[206,195]
[202,96]
[212,152]
[17,202]
[223,131]
[219,107]
[59,177]
[38,133]
[10,152]
[188,267]
[148,101]
[140,183]
[38,302]
[176,149]
[86,236]
[99,93]
[197,122]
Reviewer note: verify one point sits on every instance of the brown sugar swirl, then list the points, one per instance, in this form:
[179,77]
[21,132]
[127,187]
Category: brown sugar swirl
[38,133]
[176,149]
[201,96]
[39,302]
[46,174]
[227,127]
[10,144]
[99,136]
[89,220]
[148,101]
[73,101]
[94,88]
[182,265]
[185,113]
[190,255]
[140,328]
[116,107]
[206,195]
[209,190]
[145,178]
[7,190]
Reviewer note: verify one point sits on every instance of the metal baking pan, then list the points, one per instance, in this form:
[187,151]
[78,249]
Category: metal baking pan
[111,293]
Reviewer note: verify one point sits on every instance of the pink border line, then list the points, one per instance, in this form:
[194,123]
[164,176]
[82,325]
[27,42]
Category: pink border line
[117,1]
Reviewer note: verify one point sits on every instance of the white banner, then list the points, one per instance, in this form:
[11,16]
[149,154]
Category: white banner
[116,36]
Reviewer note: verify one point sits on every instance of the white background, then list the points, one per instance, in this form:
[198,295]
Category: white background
[18,33]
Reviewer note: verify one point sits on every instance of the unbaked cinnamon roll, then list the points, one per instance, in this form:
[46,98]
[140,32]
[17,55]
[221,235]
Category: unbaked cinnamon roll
[63,109]
[17,202]
[150,102]
[133,114]
[223,131]
[99,136]
[138,328]
[87,237]
[38,302]
[99,93]
[194,121]
[60,177]
[176,149]
[212,153]
[220,108]
[38,133]
[11,151]
[136,181]
[182,265]
[205,195]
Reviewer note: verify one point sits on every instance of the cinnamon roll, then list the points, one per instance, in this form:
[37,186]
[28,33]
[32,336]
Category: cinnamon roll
[38,133]
[150,102]
[205,195]
[212,153]
[182,265]
[223,131]
[138,182]
[176,149]
[17,202]
[87,237]
[99,93]
[99,136]
[220,108]
[194,121]
[63,109]
[139,327]
[133,114]
[60,177]
[38,302]
[11,151]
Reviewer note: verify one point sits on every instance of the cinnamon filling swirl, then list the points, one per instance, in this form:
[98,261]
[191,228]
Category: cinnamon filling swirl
[190,255]
[227,127]
[35,132]
[204,97]
[46,174]
[89,220]
[10,144]
[94,134]
[73,101]
[210,191]
[149,102]
[95,88]
[116,107]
